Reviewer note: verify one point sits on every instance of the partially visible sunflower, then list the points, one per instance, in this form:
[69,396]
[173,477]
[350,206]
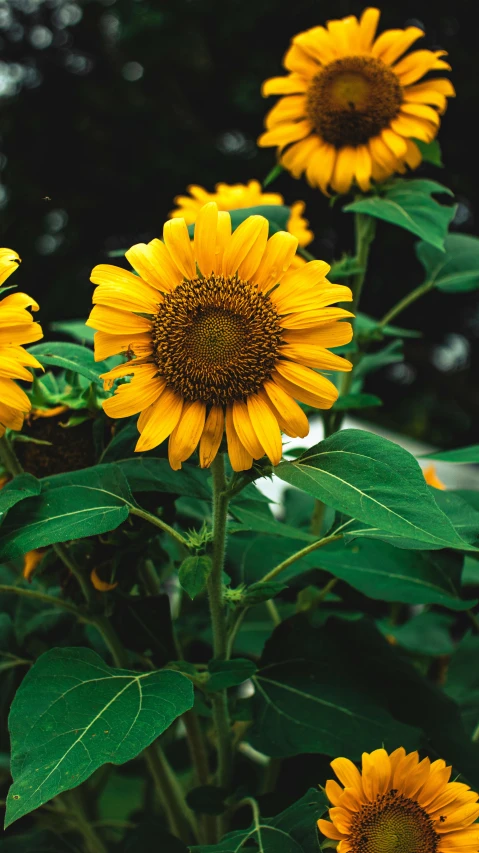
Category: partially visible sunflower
[16,327]
[398,804]
[223,334]
[238,196]
[353,103]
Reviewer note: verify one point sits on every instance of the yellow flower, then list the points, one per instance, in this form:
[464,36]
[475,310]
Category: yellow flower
[399,804]
[222,333]
[238,196]
[16,328]
[431,477]
[352,105]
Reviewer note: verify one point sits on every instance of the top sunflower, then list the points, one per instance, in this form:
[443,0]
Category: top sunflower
[353,107]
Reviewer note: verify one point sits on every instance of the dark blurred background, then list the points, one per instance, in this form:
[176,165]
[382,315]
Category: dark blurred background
[110,108]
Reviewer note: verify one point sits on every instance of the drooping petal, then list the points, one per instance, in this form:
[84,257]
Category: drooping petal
[187,433]
[244,428]
[211,437]
[294,421]
[158,421]
[240,459]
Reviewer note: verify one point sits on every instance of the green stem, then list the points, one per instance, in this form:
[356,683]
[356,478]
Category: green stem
[365,230]
[8,458]
[157,522]
[83,582]
[234,631]
[169,792]
[273,612]
[47,599]
[93,842]
[405,302]
[298,556]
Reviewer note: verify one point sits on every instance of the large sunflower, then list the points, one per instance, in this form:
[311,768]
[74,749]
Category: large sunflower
[222,333]
[352,105]
[239,196]
[16,327]
[399,804]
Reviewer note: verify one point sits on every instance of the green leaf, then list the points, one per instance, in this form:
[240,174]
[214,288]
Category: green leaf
[456,270]
[291,831]
[390,354]
[424,634]
[16,490]
[262,591]
[430,151]
[72,713]
[463,681]
[262,524]
[150,474]
[344,268]
[72,357]
[70,506]
[76,329]
[460,513]
[463,455]
[193,574]
[410,205]
[368,327]
[228,673]
[356,401]
[273,174]
[377,482]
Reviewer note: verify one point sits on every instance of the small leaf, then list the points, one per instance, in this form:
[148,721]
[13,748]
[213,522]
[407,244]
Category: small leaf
[262,591]
[410,205]
[277,215]
[21,487]
[456,270]
[193,574]
[356,401]
[368,327]
[228,673]
[344,268]
[72,713]
[463,455]
[430,151]
[75,329]
[72,357]
[377,482]
[272,175]
[390,354]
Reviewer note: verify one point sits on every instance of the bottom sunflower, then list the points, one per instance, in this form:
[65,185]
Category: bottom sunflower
[398,804]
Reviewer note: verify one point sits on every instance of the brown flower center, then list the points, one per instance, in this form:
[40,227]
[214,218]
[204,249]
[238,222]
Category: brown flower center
[353,99]
[393,824]
[216,339]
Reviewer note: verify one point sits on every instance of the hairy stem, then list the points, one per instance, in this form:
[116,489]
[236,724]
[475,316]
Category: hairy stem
[299,555]
[405,302]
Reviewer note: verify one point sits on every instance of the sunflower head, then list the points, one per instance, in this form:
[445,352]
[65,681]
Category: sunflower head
[398,804]
[221,334]
[16,327]
[237,197]
[354,103]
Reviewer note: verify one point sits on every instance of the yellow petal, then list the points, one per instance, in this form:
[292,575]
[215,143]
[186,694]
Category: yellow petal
[137,395]
[155,265]
[333,791]
[317,317]
[187,433]
[345,35]
[344,169]
[327,335]
[9,261]
[285,133]
[11,368]
[240,459]
[318,45]
[289,85]
[296,59]
[121,289]
[347,772]
[99,584]
[321,166]
[368,24]
[413,66]
[413,155]
[26,333]
[421,111]
[276,260]
[394,142]
[244,428]
[363,168]
[10,417]
[117,322]
[297,157]
[329,830]
[205,238]
[314,356]
[12,395]
[391,44]
[305,385]
[106,344]
[223,237]
[20,300]
[287,109]
[246,246]
[413,127]
[295,422]
[212,434]
[178,243]
[265,426]
[158,421]
[376,773]
[459,819]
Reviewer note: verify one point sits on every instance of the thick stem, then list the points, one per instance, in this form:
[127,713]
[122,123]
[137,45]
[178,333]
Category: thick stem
[298,556]
[405,302]
[219,700]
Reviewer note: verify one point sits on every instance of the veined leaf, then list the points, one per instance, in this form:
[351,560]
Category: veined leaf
[456,270]
[410,205]
[193,574]
[21,487]
[377,482]
[70,357]
[72,713]
[150,474]
[462,455]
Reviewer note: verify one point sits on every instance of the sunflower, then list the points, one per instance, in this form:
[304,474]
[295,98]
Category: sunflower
[399,804]
[16,327]
[354,103]
[222,334]
[238,196]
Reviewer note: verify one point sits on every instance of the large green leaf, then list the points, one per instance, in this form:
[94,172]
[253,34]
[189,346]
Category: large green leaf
[377,482]
[457,269]
[70,506]
[462,455]
[292,831]
[72,713]
[322,688]
[150,474]
[462,514]
[410,205]
[75,329]
[21,487]
[260,523]
[70,357]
